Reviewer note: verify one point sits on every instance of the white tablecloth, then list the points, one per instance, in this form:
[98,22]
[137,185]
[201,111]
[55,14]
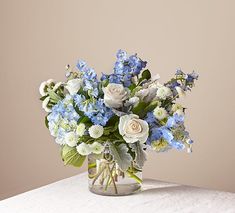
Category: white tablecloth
[71,196]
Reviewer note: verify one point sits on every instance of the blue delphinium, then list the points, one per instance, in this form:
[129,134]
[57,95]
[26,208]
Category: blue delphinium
[125,68]
[89,77]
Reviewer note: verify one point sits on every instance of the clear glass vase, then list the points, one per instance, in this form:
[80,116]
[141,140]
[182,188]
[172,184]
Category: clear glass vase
[106,178]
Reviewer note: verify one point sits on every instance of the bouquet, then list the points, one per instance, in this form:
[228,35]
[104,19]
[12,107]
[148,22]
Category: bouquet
[114,119]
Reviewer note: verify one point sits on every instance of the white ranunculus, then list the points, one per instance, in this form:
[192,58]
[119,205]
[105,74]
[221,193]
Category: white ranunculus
[179,112]
[96,131]
[83,149]
[114,95]
[73,86]
[175,107]
[160,113]
[42,88]
[57,85]
[180,92]
[133,129]
[81,129]
[45,103]
[96,148]
[71,139]
[164,92]
[44,85]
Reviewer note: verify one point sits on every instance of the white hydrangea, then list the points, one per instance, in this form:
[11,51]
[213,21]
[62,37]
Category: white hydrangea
[164,92]
[83,149]
[180,92]
[176,106]
[160,113]
[96,148]
[81,129]
[96,131]
[71,139]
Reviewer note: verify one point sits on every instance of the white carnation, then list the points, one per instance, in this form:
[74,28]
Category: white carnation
[96,148]
[83,149]
[73,86]
[164,92]
[81,129]
[114,95]
[96,131]
[71,139]
[180,92]
[133,129]
[160,113]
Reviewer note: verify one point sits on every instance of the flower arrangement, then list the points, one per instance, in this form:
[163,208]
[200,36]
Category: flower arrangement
[117,117]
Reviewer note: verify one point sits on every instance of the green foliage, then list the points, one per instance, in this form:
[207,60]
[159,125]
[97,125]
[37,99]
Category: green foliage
[70,156]
[140,155]
[43,97]
[53,96]
[120,155]
[139,109]
[46,121]
[146,75]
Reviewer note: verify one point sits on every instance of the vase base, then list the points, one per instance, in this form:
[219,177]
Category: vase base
[122,190]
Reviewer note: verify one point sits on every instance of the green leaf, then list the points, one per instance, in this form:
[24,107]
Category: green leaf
[132,87]
[43,97]
[121,155]
[146,75]
[138,110]
[70,156]
[140,154]
[46,122]
[151,106]
[83,119]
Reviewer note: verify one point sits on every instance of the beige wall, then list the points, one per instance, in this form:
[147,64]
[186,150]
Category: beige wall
[38,38]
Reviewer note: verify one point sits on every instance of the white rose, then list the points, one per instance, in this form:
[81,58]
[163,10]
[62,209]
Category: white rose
[133,129]
[180,92]
[114,95]
[96,131]
[73,86]
[96,148]
[81,129]
[43,86]
[71,139]
[45,103]
[164,92]
[160,113]
[83,149]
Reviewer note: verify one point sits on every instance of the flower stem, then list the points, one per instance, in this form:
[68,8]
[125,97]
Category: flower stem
[135,177]
[111,175]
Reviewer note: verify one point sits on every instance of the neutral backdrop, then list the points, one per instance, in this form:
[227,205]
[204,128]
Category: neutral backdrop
[39,38]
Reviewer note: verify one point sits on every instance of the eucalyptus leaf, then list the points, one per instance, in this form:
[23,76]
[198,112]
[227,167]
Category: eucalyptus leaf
[70,156]
[121,155]
[140,154]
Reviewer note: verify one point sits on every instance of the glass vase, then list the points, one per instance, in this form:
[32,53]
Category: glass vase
[106,178]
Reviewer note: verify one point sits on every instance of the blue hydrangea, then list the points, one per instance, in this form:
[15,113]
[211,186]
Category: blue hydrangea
[175,121]
[95,110]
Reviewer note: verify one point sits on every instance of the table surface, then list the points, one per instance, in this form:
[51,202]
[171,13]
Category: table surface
[72,195]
